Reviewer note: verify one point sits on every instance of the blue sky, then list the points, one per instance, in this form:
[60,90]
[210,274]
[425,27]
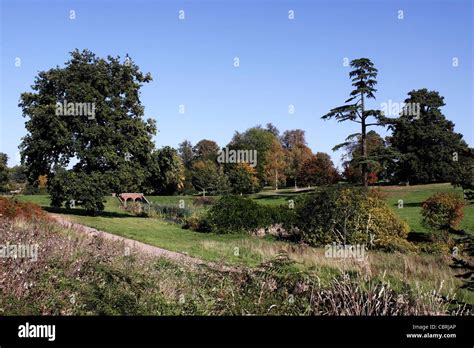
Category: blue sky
[282,62]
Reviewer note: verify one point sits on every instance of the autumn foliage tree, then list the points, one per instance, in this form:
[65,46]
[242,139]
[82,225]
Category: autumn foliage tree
[276,165]
[242,178]
[318,170]
[208,178]
[380,159]
[296,153]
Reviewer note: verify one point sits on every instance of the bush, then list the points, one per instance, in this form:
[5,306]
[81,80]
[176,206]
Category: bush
[281,215]
[240,214]
[11,208]
[442,211]
[235,214]
[87,190]
[198,223]
[137,209]
[349,216]
[435,248]
[390,232]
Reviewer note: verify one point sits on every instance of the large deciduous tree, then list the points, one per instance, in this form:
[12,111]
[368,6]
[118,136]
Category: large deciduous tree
[206,150]
[259,139]
[296,152]
[363,77]
[208,177]
[166,172]
[276,165]
[242,178]
[86,156]
[318,170]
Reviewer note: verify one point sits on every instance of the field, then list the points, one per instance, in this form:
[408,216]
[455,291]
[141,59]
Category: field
[411,196]
[243,250]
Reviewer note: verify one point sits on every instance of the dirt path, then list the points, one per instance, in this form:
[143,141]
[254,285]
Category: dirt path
[141,247]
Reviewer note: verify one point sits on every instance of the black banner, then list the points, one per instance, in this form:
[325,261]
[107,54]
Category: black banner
[243,331]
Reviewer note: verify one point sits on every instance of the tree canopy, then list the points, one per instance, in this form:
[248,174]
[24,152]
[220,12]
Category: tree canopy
[429,149]
[109,151]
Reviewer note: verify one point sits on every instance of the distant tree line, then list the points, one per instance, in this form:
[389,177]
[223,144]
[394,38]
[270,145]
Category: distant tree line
[82,159]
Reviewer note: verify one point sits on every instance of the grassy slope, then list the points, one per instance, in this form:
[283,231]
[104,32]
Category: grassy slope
[412,198]
[214,247]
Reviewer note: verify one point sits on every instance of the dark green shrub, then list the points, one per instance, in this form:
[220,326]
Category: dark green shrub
[281,215]
[442,211]
[236,214]
[314,216]
[86,190]
[240,214]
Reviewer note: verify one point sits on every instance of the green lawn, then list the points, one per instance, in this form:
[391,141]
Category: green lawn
[222,247]
[412,198]
[171,236]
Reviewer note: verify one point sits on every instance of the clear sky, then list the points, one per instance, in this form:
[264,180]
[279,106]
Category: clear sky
[282,61]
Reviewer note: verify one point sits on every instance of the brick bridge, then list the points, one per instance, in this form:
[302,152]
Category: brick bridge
[125,198]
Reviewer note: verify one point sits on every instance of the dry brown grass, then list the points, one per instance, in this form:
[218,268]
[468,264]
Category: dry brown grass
[422,270]
[95,272]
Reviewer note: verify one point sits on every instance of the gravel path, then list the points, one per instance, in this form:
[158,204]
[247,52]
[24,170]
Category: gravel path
[141,247]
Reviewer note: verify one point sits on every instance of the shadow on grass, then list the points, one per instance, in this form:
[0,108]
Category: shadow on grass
[409,205]
[82,212]
[433,236]
[420,237]
[273,197]
[286,195]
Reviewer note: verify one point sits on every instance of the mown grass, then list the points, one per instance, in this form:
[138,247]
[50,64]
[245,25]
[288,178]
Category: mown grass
[412,198]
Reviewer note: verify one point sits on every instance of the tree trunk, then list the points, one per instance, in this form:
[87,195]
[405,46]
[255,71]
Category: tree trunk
[365,180]
[276,180]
